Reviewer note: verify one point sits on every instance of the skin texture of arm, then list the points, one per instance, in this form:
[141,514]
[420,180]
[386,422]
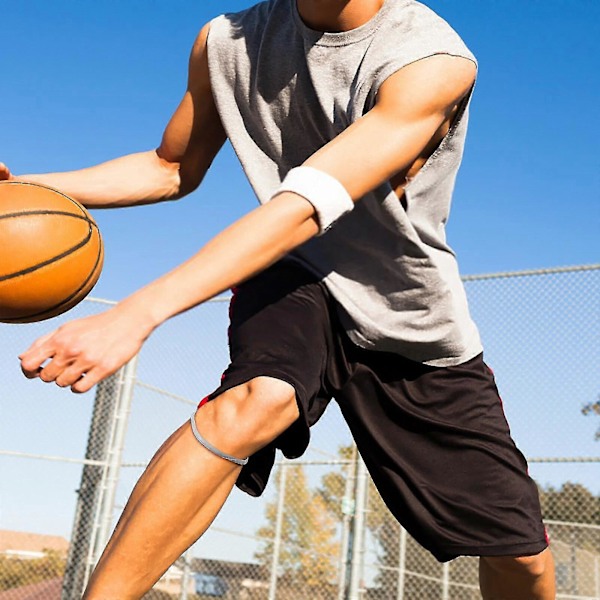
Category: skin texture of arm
[190,142]
[412,106]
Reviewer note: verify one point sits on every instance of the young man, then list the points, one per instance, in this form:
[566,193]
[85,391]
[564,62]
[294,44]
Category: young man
[333,107]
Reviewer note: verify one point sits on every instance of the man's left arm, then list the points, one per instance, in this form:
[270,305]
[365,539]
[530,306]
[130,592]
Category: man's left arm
[411,106]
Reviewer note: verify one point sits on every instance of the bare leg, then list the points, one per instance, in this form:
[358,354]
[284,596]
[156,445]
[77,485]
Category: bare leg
[518,578]
[185,486]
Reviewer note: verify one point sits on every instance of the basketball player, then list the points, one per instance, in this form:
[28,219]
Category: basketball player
[349,118]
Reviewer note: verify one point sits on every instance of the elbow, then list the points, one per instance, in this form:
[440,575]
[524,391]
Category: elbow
[168,183]
[184,187]
[177,181]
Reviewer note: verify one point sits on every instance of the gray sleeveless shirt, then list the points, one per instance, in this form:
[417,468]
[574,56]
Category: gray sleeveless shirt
[283,91]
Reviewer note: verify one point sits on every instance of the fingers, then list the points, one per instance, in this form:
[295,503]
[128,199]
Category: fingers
[68,376]
[4,172]
[57,368]
[50,359]
[75,373]
[33,358]
[88,380]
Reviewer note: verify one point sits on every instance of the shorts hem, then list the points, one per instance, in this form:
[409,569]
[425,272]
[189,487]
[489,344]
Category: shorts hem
[245,375]
[451,551]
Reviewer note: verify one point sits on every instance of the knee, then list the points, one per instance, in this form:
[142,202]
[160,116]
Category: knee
[257,411]
[263,400]
[529,566]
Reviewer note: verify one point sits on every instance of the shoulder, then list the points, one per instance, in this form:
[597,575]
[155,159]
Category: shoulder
[435,84]
[198,55]
[413,30]
[199,46]
[413,44]
[417,16]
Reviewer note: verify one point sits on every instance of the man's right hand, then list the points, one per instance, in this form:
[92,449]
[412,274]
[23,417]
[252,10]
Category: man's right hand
[5,173]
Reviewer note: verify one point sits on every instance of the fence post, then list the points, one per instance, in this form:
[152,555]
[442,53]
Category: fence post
[120,417]
[348,512]
[185,576]
[446,582]
[278,529]
[597,569]
[358,538]
[401,564]
[89,489]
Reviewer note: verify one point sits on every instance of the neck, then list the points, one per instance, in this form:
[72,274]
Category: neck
[337,15]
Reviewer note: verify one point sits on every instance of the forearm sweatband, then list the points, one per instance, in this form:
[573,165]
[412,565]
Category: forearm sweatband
[327,195]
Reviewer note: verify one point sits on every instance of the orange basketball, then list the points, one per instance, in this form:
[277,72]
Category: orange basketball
[50,252]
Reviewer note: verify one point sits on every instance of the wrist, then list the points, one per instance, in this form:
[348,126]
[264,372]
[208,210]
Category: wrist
[138,314]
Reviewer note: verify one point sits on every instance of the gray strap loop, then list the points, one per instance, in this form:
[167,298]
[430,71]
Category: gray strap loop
[238,461]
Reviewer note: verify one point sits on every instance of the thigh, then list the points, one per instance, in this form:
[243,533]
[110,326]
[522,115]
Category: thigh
[439,449]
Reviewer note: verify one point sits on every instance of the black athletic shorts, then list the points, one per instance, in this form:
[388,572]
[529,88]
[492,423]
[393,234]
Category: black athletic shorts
[435,440]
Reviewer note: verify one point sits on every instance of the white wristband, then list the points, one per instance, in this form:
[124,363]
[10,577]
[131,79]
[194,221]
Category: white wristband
[328,196]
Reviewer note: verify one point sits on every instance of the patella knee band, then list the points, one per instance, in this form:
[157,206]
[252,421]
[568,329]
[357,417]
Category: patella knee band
[238,461]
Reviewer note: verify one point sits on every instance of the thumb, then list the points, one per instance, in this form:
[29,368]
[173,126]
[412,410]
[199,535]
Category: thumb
[5,173]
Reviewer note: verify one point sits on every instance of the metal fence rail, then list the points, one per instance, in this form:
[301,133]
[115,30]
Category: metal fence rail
[321,530]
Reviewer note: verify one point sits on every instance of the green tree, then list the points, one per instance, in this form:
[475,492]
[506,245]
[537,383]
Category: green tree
[593,408]
[309,550]
[568,509]
[572,502]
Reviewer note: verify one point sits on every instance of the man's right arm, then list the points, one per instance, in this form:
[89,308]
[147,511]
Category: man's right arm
[191,140]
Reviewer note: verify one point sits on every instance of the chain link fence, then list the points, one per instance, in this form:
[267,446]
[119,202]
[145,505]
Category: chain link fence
[320,531]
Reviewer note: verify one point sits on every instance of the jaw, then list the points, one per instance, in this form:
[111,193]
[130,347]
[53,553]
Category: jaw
[337,15]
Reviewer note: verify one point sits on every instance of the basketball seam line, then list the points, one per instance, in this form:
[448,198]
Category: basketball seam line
[68,298]
[37,185]
[51,260]
[47,212]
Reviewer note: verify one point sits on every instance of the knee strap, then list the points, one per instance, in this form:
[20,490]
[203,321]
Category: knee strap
[238,461]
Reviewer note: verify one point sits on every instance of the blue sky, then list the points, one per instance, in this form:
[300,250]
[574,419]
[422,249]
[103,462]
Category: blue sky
[85,81]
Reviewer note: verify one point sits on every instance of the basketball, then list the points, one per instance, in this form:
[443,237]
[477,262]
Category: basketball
[51,252]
